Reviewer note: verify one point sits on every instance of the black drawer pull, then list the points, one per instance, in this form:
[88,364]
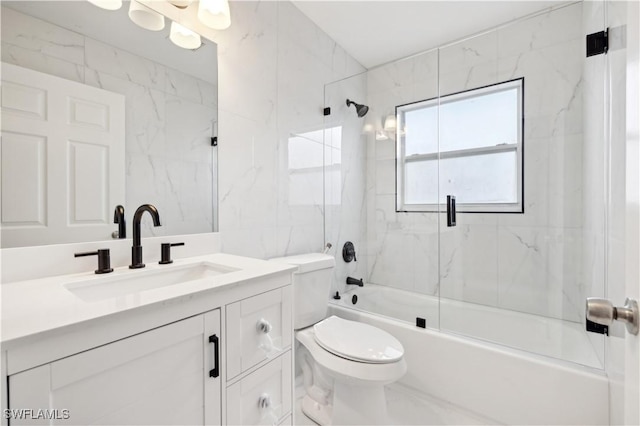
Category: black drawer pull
[216,365]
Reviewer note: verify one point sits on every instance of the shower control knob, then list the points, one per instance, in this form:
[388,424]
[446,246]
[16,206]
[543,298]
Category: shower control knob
[602,311]
[263,326]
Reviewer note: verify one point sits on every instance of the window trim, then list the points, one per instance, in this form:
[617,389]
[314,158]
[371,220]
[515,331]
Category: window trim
[511,208]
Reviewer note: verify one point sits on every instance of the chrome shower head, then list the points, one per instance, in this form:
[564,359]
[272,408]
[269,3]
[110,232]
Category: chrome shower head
[360,109]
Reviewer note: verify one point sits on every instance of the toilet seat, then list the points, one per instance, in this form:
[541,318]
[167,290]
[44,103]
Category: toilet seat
[350,371]
[357,341]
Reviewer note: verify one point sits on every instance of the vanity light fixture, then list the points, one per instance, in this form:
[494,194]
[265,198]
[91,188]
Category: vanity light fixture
[144,17]
[214,14]
[107,4]
[390,123]
[184,37]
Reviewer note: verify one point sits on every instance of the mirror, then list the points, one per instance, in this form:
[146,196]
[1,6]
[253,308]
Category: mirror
[169,121]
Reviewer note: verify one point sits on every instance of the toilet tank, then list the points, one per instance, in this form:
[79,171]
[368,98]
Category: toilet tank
[311,287]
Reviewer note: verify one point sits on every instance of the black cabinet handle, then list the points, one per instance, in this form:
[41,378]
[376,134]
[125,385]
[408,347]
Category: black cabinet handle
[216,365]
[451,210]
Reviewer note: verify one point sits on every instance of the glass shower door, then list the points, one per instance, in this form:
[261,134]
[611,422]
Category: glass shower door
[520,151]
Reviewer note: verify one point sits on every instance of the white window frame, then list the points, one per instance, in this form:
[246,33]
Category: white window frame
[461,207]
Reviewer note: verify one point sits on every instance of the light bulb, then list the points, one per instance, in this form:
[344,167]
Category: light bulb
[144,17]
[390,123]
[214,14]
[184,37]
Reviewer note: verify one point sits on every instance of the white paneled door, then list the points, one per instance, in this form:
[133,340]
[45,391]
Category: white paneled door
[63,153]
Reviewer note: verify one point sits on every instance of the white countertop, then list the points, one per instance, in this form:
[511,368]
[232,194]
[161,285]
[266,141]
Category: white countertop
[45,304]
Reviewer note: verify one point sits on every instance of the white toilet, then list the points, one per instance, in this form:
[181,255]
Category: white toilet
[345,364]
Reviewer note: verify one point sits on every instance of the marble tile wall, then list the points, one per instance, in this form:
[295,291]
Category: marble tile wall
[169,117]
[531,262]
[273,65]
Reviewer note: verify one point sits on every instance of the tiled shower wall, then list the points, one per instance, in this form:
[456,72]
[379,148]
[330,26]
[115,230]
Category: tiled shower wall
[273,65]
[169,117]
[531,262]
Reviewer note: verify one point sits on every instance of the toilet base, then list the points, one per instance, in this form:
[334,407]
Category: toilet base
[351,405]
[319,413]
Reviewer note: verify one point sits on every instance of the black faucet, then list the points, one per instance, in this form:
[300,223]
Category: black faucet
[354,281]
[136,249]
[118,217]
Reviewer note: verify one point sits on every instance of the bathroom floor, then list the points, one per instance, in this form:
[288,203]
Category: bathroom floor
[408,407]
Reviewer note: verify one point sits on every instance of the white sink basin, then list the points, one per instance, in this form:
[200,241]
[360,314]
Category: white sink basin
[136,281]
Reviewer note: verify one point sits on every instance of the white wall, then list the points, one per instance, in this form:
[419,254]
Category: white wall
[273,64]
[169,117]
[529,262]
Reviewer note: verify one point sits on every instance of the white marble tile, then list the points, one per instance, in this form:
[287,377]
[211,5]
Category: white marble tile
[107,59]
[145,113]
[564,200]
[188,128]
[254,242]
[459,80]
[188,197]
[426,267]
[522,271]
[191,88]
[39,62]
[246,69]
[247,164]
[539,272]
[541,31]
[469,264]
[37,36]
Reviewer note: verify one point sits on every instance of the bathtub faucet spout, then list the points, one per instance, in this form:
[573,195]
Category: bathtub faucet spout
[354,281]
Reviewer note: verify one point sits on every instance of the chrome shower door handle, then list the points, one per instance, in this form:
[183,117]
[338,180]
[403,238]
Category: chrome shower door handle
[602,311]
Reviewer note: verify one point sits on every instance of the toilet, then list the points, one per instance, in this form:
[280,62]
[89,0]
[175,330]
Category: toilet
[345,364]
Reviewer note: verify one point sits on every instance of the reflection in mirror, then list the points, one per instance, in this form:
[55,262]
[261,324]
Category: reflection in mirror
[150,143]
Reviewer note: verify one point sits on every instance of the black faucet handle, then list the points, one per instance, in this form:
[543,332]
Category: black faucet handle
[165,252]
[104,260]
[118,217]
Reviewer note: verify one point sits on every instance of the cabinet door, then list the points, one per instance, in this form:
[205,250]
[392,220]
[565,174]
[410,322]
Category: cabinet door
[158,377]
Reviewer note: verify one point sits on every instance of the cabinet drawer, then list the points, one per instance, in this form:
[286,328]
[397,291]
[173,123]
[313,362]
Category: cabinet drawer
[258,328]
[262,397]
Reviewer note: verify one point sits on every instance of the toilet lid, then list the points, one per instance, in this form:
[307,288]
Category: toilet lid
[357,341]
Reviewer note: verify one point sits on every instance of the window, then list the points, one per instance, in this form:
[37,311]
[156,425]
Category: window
[469,144]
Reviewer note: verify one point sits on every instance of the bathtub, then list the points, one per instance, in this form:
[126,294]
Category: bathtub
[511,386]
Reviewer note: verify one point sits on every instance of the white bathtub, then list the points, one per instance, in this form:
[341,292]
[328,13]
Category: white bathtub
[551,337]
[508,385]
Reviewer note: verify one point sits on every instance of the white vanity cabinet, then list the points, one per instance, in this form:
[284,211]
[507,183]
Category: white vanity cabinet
[259,360]
[213,350]
[163,376]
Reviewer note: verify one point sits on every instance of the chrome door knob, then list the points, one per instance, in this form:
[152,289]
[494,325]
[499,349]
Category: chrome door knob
[602,311]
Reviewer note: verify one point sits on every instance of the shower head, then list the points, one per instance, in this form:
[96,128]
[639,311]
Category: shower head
[360,109]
